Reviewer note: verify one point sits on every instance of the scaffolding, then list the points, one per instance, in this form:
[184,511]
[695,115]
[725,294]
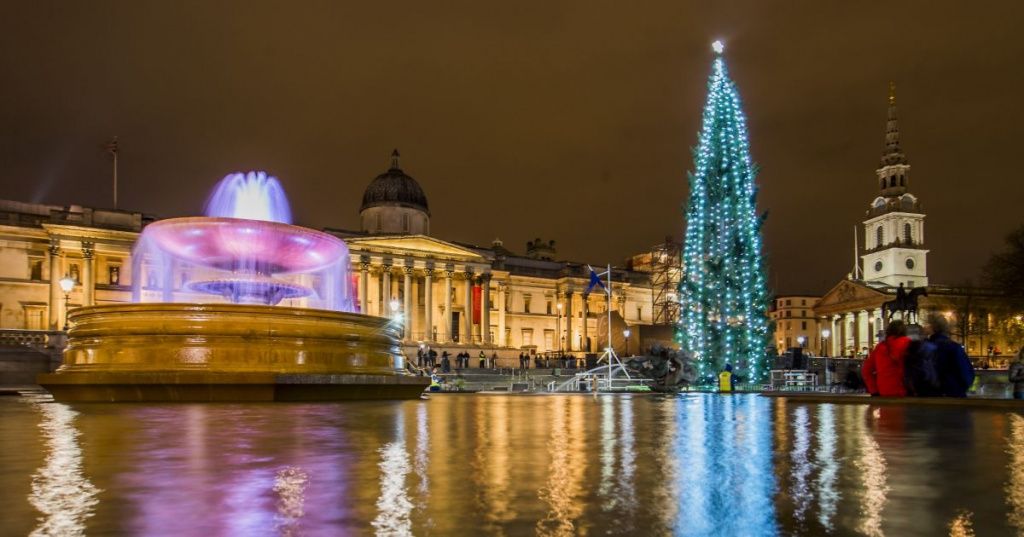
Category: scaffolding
[666,271]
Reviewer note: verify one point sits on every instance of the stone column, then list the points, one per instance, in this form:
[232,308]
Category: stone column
[485,308]
[586,311]
[407,312]
[88,275]
[841,335]
[502,289]
[467,321]
[856,332]
[364,285]
[56,296]
[385,276]
[870,339]
[449,272]
[568,320]
[428,304]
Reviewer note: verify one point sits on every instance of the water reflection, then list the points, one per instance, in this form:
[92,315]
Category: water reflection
[725,485]
[290,486]
[566,466]
[393,505]
[506,465]
[828,495]
[60,491]
[872,468]
[1015,469]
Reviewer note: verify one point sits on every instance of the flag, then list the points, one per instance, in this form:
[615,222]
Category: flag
[594,280]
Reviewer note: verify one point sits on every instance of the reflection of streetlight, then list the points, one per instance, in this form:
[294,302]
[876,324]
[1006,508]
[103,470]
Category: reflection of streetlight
[626,333]
[67,283]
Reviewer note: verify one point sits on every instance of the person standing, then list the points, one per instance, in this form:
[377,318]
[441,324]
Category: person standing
[883,370]
[483,360]
[1016,375]
[956,374]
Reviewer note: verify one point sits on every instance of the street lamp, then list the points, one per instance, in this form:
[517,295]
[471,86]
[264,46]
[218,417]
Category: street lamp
[800,340]
[67,283]
[626,333]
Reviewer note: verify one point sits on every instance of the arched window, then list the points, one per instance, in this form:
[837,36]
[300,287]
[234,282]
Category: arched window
[878,236]
[903,180]
[908,235]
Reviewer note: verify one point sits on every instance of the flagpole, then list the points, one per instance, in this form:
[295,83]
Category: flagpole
[611,350]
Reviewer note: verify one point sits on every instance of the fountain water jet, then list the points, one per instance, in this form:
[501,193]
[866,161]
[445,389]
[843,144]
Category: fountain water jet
[208,320]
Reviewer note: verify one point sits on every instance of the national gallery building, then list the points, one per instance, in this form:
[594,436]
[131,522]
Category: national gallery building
[446,292]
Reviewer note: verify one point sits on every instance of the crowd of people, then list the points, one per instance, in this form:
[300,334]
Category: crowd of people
[917,364]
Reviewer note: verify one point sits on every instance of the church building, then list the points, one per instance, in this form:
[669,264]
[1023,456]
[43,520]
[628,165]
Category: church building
[895,255]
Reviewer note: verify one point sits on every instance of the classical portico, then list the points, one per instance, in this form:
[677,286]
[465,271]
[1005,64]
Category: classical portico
[430,281]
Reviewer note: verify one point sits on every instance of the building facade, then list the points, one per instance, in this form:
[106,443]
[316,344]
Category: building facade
[446,292]
[796,325]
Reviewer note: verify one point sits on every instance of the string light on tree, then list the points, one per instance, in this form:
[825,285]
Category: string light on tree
[723,292]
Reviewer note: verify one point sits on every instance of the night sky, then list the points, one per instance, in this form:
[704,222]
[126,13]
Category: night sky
[570,121]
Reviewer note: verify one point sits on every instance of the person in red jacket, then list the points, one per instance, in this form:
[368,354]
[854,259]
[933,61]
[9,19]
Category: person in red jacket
[883,370]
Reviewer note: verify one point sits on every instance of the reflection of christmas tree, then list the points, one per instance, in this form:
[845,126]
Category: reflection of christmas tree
[723,296]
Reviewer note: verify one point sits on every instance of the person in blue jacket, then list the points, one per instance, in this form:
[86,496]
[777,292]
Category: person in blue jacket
[956,374]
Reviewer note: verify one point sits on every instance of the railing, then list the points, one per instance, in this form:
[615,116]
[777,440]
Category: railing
[35,339]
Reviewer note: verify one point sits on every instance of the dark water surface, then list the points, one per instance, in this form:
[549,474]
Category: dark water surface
[510,465]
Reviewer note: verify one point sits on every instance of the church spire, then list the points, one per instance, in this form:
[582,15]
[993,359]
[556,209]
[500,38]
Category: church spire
[394,160]
[893,154]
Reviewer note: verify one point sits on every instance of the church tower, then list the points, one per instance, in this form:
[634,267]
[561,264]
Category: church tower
[894,251]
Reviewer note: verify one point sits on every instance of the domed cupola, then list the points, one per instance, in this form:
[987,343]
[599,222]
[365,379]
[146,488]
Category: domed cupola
[395,203]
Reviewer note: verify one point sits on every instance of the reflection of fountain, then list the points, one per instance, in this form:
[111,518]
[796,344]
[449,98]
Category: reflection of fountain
[208,321]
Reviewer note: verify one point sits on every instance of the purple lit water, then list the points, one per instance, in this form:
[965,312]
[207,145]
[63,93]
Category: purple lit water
[244,251]
[556,465]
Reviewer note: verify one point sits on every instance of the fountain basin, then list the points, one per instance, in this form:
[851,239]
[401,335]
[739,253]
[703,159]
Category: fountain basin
[251,246]
[228,352]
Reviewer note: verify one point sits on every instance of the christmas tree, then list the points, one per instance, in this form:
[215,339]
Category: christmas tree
[723,294]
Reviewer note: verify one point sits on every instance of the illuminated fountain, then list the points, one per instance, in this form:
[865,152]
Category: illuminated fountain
[237,305]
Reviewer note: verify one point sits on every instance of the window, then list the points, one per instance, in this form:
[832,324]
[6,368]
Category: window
[549,340]
[910,263]
[879,235]
[639,313]
[803,313]
[549,307]
[35,268]
[892,181]
[526,306]
[903,180]
[789,313]
[878,266]
[789,302]
[803,325]
[76,273]
[803,302]
[527,337]
[908,236]
[114,274]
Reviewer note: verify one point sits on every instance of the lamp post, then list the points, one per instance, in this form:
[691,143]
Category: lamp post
[558,325]
[626,333]
[67,284]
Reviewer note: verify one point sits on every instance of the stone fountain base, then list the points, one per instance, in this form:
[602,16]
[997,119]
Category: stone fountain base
[229,352]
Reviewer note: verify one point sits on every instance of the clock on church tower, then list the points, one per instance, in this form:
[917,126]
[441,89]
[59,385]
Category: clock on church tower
[894,251]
